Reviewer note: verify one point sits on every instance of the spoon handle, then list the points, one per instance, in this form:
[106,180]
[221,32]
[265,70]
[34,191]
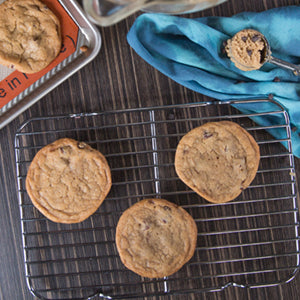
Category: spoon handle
[284,64]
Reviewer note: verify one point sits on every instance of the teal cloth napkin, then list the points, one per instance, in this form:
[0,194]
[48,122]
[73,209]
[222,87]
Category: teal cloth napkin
[190,52]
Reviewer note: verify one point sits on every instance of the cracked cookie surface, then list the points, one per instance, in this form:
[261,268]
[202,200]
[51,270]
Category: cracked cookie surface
[68,180]
[30,35]
[155,238]
[217,160]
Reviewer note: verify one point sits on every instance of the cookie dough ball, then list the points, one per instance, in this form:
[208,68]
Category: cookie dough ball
[247,49]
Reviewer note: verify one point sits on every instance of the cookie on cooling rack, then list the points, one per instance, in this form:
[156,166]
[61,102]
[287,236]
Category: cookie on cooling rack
[30,35]
[68,180]
[155,238]
[217,160]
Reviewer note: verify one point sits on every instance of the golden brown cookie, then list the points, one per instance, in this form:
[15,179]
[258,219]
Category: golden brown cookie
[155,238]
[217,160]
[30,35]
[68,180]
[247,49]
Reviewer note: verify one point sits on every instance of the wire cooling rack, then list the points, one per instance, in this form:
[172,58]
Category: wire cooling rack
[250,242]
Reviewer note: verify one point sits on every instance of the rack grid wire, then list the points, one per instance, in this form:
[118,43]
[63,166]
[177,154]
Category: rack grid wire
[249,242]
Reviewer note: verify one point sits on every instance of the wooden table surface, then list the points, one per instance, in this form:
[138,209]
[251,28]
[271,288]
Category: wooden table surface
[116,79]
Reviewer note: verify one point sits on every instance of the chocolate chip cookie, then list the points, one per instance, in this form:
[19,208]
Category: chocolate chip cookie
[217,160]
[155,238]
[68,180]
[30,35]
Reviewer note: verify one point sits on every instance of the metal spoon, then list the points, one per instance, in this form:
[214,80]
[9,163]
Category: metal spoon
[265,54]
[276,61]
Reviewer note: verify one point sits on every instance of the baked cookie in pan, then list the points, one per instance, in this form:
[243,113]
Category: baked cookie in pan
[30,35]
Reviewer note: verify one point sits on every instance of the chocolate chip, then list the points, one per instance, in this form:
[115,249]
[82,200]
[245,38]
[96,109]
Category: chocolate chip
[62,150]
[167,208]
[244,38]
[81,145]
[276,79]
[186,151]
[207,134]
[249,52]
[36,7]
[239,81]
[255,38]
[223,51]
[262,56]
[223,48]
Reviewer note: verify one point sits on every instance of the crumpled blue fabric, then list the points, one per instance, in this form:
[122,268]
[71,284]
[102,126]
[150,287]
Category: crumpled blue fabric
[189,51]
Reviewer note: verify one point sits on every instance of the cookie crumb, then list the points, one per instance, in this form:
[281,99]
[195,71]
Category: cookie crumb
[84,48]
[294,128]
[239,81]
